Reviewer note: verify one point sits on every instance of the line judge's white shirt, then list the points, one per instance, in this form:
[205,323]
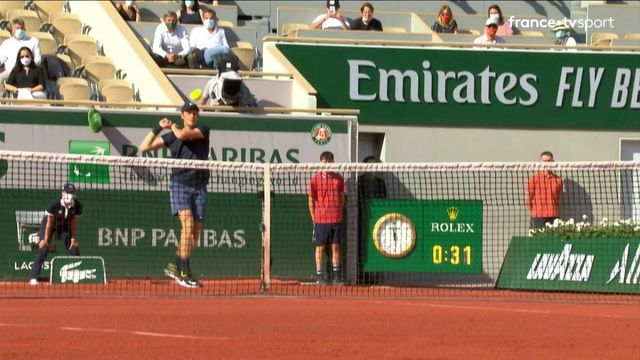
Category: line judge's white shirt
[201,38]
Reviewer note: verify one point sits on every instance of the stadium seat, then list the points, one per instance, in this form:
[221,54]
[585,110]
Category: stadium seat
[289,29]
[74,91]
[246,57]
[596,37]
[100,69]
[120,91]
[532,34]
[71,80]
[77,36]
[105,82]
[81,48]
[31,20]
[63,26]
[244,45]
[471,32]
[45,9]
[48,45]
[632,36]
[9,5]
[394,29]
[62,14]
[603,42]
[225,23]
[4,35]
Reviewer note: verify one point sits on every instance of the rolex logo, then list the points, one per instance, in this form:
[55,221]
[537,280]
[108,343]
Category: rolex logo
[453,211]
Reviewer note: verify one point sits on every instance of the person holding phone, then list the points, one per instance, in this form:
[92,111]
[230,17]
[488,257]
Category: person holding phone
[332,19]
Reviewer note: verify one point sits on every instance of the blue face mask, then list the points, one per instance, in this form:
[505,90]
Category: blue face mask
[495,16]
[209,23]
[560,33]
[19,34]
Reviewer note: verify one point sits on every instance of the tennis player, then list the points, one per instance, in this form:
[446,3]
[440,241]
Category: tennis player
[188,187]
[61,220]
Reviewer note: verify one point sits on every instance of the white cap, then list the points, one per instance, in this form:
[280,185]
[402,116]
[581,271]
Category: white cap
[491,21]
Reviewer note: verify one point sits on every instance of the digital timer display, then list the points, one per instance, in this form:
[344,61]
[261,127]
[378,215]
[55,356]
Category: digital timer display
[454,255]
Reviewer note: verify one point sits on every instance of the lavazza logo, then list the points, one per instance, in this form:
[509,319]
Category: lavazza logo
[70,272]
[627,272]
[564,266]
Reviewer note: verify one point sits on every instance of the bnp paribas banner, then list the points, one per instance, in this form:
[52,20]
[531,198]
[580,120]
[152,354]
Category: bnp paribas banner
[474,87]
[586,265]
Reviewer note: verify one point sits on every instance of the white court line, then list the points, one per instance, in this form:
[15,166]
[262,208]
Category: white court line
[504,309]
[140,333]
[143,333]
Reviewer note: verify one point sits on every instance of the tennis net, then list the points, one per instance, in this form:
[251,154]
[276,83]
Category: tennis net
[432,229]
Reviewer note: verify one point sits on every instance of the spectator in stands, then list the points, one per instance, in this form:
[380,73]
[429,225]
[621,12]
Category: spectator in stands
[563,35]
[207,41]
[504,28]
[446,23]
[367,21]
[60,220]
[129,10]
[27,80]
[332,19]
[9,48]
[227,87]
[542,195]
[326,199]
[190,13]
[489,36]
[170,43]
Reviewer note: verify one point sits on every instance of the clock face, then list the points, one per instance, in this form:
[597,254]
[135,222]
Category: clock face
[394,235]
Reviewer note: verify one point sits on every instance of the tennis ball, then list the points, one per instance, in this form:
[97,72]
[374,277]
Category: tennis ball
[195,94]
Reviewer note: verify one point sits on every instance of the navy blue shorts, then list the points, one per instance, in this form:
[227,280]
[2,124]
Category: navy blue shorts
[324,233]
[184,197]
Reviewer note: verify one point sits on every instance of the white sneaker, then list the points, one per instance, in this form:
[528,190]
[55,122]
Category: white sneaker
[33,282]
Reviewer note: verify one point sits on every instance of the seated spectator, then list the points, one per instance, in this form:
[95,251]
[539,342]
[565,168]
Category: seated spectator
[227,87]
[26,79]
[170,43]
[129,10]
[207,41]
[489,36]
[563,35]
[332,19]
[190,13]
[367,21]
[9,48]
[445,23]
[504,28]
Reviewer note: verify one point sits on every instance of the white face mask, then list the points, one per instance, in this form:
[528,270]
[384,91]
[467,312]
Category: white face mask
[25,60]
[189,4]
[495,16]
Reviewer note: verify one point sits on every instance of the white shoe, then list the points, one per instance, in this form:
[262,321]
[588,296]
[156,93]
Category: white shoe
[33,282]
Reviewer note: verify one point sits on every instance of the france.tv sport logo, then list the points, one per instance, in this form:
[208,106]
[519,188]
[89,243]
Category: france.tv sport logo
[574,24]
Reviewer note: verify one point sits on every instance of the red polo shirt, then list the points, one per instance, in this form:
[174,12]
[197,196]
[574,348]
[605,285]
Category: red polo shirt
[326,190]
[544,194]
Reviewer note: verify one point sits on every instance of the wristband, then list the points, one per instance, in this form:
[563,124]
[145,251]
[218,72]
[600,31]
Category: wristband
[156,129]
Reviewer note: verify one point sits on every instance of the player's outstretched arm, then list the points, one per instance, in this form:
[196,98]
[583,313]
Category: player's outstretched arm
[152,141]
[185,134]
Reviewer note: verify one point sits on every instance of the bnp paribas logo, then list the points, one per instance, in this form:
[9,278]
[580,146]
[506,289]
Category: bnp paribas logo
[453,212]
[321,133]
[89,173]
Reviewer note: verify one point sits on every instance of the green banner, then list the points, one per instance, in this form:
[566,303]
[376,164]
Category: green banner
[474,87]
[582,265]
[433,236]
[89,173]
[136,235]
[78,269]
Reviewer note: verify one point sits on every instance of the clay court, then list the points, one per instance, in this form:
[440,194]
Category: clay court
[338,323]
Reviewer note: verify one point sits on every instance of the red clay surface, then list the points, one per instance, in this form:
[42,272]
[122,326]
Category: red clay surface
[313,328]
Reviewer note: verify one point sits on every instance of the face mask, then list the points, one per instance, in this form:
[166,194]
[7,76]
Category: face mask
[67,199]
[25,60]
[189,4]
[560,33]
[129,2]
[19,34]
[209,23]
[170,26]
[495,17]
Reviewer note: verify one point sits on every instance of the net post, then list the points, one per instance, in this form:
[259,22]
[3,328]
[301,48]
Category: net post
[266,229]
